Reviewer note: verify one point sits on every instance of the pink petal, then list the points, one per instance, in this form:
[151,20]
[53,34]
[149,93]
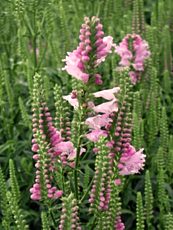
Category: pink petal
[98,121]
[72,155]
[107,94]
[73,101]
[107,107]
[96,134]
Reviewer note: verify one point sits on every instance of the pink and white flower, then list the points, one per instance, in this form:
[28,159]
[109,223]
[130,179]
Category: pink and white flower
[98,121]
[95,135]
[131,161]
[72,101]
[135,57]
[107,94]
[104,48]
[74,65]
[107,107]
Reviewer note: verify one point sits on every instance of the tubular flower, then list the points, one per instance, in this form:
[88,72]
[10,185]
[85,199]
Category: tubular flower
[107,107]
[72,101]
[111,105]
[131,161]
[133,57]
[94,135]
[98,121]
[107,94]
[103,120]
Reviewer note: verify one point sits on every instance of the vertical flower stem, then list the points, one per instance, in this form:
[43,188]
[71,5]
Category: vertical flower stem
[35,43]
[35,52]
[76,167]
[82,112]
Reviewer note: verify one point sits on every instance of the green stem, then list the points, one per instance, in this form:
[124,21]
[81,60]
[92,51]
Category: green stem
[88,189]
[35,43]
[81,118]
[52,217]
[76,167]
[35,52]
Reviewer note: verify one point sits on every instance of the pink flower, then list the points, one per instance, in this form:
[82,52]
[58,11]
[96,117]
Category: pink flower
[36,192]
[65,147]
[119,224]
[107,94]
[134,77]
[107,107]
[94,135]
[72,101]
[55,136]
[77,62]
[117,181]
[124,52]
[98,79]
[98,121]
[104,48]
[142,52]
[58,194]
[135,57]
[35,148]
[72,156]
[131,161]
[75,67]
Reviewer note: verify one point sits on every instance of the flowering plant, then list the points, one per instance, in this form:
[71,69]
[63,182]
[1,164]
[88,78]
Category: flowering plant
[86,115]
[107,126]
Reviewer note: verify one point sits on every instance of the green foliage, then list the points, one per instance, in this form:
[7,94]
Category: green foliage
[169,160]
[167,57]
[25,116]
[139,213]
[15,192]
[10,202]
[164,133]
[138,123]
[114,207]
[69,218]
[9,91]
[45,221]
[86,177]
[16,212]
[148,207]
[60,107]
[138,22]
[153,106]
[102,174]
[168,221]
[64,26]
[161,178]
[4,203]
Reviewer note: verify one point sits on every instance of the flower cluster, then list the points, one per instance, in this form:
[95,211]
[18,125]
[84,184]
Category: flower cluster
[133,51]
[119,225]
[56,149]
[44,163]
[101,189]
[69,218]
[103,120]
[79,60]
